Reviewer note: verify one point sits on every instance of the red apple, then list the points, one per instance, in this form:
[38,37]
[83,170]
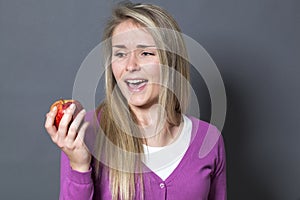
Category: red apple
[62,105]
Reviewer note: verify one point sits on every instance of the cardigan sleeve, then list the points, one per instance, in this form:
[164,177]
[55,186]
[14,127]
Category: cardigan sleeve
[74,185]
[218,178]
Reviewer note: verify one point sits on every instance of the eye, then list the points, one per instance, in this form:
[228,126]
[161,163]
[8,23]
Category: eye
[120,54]
[147,53]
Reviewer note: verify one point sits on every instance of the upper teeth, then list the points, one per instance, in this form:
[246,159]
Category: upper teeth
[135,81]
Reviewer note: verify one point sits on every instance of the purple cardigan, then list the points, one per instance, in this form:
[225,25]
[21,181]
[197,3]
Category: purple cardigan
[200,175]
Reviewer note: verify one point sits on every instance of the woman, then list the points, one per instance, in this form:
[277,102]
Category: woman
[143,115]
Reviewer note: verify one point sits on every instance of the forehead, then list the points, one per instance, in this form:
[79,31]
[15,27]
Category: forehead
[129,32]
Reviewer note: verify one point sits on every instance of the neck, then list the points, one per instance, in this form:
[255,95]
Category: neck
[155,128]
[146,117]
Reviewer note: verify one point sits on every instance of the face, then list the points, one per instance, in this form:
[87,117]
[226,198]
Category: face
[135,64]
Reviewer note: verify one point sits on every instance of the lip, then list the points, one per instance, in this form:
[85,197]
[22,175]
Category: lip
[136,84]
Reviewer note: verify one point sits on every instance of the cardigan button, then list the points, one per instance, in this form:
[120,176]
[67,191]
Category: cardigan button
[162,185]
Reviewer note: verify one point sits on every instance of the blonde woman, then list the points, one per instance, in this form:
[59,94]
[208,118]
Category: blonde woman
[146,147]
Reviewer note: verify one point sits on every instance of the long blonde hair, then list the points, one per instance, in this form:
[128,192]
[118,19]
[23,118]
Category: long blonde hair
[117,121]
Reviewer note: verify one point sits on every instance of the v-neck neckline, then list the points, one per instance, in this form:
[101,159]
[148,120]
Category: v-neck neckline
[182,162]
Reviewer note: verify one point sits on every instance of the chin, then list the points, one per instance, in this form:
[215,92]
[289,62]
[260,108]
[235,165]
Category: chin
[137,103]
[142,103]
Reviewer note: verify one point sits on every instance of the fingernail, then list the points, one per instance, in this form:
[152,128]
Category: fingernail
[54,108]
[72,106]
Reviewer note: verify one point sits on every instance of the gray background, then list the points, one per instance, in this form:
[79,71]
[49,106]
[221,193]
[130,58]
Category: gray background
[255,45]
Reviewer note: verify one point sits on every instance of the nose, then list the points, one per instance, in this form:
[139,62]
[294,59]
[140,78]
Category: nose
[132,64]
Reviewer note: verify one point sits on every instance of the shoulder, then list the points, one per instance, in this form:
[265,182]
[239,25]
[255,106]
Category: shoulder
[207,137]
[202,128]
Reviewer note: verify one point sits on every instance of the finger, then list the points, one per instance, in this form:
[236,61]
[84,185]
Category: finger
[49,123]
[65,121]
[75,125]
[81,132]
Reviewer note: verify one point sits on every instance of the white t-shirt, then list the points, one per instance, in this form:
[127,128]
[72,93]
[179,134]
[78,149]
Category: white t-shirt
[163,160]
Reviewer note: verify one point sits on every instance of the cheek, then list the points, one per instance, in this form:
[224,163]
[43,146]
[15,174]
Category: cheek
[116,71]
[155,72]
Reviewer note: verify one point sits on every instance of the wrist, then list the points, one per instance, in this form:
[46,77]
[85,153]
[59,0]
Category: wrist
[80,167]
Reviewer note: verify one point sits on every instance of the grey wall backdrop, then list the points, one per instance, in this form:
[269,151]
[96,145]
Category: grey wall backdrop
[255,45]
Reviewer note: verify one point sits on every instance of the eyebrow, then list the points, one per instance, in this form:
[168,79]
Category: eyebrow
[140,46]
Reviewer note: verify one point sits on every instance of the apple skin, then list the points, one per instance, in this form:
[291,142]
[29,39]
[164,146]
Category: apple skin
[62,105]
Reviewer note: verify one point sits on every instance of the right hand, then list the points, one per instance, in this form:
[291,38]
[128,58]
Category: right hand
[69,138]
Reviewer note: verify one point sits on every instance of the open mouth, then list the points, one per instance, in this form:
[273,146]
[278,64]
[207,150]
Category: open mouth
[136,84]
